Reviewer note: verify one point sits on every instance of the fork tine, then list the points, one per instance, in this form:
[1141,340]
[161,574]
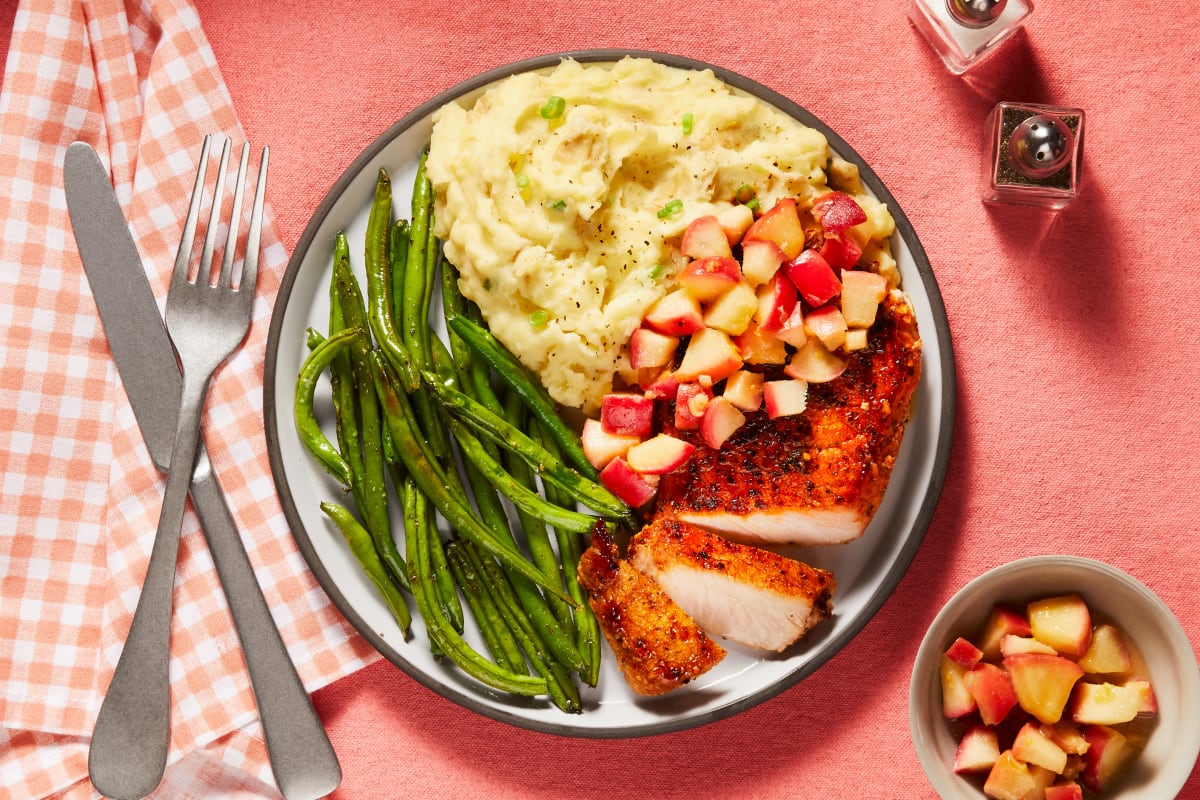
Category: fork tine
[214,219]
[250,265]
[183,256]
[235,218]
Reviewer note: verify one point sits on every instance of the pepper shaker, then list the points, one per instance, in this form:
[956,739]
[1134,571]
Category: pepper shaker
[965,32]
[1033,154]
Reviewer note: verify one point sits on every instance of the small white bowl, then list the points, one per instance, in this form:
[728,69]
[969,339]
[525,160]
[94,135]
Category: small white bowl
[1160,770]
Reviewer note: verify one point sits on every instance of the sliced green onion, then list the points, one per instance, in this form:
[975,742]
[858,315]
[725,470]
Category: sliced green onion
[744,194]
[751,204]
[673,207]
[657,270]
[557,205]
[554,108]
[523,187]
[539,318]
[687,122]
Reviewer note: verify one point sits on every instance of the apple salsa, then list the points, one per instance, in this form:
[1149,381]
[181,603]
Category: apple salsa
[765,305]
[1048,701]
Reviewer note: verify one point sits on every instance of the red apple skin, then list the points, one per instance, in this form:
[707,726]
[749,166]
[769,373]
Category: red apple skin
[659,384]
[623,481]
[710,353]
[1064,791]
[601,447]
[627,414]
[721,420]
[1108,753]
[708,278]
[705,237]
[785,398]
[761,260]
[838,211]
[691,402]
[963,652]
[1001,620]
[841,252]
[659,455]
[813,278]
[776,299]
[781,225]
[992,690]
[977,750]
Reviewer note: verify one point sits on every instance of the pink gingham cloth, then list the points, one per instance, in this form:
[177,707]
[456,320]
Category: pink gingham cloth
[80,497]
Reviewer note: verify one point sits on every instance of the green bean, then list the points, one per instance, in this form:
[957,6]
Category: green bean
[562,690]
[448,641]
[549,467]
[363,548]
[418,461]
[587,627]
[341,382]
[496,635]
[373,483]
[443,583]
[379,301]
[415,318]
[514,373]
[307,427]
[397,261]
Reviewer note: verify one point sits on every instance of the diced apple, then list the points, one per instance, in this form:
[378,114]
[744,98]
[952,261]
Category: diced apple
[1043,683]
[1064,791]
[760,347]
[776,299]
[721,420]
[1067,736]
[659,455]
[793,331]
[1147,699]
[815,280]
[761,260]
[627,414]
[1009,779]
[977,750]
[649,348]
[963,652]
[1001,621]
[1062,622]
[706,279]
[828,325]
[781,225]
[660,384]
[841,250]
[785,398]
[732,311]
[600,446]
[956,700]
[1107,654]
[837,211]
[744,389]
[675,314]
[992,690]
[710,352]
[862,292]
[1107,756]
[815,364]
[1041,776]
[735,221]
[1104,703]
[1034,747]
[691,401]
[856,339]
[1012,644]
[622,480]
[705,237]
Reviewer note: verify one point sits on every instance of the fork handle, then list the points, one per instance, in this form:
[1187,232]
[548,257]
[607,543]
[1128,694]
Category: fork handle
[128,754]
[302,758]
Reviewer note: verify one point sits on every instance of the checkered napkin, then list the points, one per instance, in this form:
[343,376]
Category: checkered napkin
[80,498]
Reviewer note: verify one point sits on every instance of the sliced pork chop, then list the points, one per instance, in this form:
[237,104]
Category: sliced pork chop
[657,645]
[816,477]
[735,591]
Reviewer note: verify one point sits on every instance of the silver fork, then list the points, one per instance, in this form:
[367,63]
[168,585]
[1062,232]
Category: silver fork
[206,323]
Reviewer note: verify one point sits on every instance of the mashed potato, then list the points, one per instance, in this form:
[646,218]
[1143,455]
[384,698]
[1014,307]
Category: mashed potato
[564,218]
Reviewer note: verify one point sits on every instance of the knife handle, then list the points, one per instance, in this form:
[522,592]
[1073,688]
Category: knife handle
[301,755]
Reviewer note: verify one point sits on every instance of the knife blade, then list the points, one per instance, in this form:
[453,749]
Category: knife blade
[301,756]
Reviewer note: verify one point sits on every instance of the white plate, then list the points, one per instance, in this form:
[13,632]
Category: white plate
[867,570]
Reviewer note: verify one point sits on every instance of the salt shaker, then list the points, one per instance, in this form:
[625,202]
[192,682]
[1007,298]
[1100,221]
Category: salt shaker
[965,32]
[1033,154]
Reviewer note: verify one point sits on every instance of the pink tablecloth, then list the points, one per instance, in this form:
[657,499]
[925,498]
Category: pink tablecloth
[1076,338]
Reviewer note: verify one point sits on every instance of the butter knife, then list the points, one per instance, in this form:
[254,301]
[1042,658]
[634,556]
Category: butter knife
[301,756]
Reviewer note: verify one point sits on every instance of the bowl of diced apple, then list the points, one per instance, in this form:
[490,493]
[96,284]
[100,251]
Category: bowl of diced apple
[1056,678]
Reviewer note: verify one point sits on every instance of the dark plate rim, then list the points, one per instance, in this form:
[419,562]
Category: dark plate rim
[945,424]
